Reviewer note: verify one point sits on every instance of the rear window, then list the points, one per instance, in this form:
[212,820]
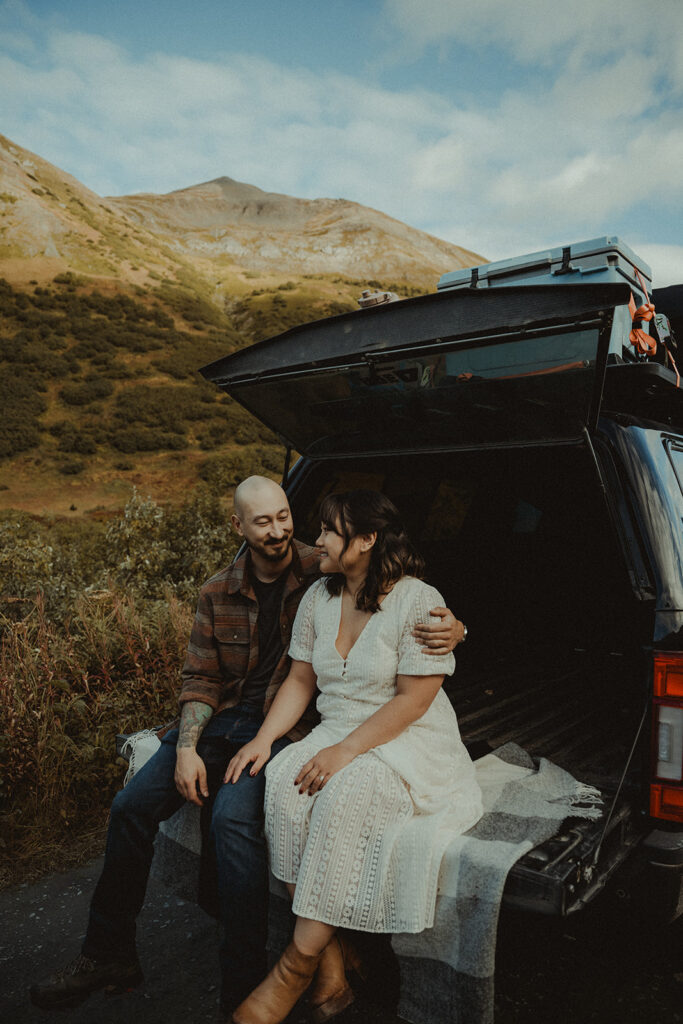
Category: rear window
[529,389]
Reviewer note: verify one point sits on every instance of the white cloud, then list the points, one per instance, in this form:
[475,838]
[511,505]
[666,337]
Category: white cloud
[535,31]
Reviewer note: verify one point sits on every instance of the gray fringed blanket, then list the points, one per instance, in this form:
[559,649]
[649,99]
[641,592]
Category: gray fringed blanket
[446,971]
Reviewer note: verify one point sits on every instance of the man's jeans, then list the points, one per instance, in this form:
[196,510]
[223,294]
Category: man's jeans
[237,840]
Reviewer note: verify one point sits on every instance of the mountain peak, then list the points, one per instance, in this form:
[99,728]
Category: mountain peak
[230,188]
[221,223]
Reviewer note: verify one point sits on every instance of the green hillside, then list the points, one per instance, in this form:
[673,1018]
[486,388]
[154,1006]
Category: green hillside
[100,389]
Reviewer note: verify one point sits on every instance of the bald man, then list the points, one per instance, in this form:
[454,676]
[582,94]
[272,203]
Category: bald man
[236,660]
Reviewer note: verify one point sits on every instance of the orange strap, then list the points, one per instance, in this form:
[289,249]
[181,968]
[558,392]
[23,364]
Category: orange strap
[673,364]
[641,341]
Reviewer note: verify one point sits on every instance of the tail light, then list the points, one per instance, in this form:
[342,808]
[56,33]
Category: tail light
[666,790]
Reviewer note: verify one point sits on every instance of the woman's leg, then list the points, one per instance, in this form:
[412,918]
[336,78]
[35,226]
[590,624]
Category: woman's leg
[346,869]
[286,816]
[331,992]
[314,948]
[311,937]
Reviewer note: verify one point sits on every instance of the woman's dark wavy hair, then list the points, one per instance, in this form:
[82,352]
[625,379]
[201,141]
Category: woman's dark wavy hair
[392,556]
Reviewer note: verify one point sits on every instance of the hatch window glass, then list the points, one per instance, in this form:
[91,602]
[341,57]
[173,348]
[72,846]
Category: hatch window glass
[525,389]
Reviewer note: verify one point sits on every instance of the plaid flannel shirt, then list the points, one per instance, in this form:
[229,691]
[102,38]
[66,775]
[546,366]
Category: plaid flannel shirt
[223,646]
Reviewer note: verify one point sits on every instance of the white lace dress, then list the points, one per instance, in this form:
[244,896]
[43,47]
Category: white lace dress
[365,850]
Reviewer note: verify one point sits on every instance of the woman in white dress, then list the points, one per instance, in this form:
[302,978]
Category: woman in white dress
[359,813]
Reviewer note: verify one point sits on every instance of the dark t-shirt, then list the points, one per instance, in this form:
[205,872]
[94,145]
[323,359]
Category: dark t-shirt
[270,646]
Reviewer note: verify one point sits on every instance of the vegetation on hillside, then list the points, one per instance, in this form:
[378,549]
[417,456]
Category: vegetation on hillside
[269,310]
[83,371]
[92,381]
[94,370]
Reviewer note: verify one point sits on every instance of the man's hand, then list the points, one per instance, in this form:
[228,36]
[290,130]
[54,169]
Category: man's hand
[190,775]
[190,771]
[440,637]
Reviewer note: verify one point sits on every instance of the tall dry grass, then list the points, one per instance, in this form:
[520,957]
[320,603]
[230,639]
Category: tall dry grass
[94,622]
[65,692]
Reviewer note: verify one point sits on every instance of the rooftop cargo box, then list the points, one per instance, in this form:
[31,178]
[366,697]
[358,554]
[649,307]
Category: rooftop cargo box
[598,261]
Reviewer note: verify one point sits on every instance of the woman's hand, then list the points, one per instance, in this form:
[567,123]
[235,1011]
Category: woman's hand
[256,753]
[316,772]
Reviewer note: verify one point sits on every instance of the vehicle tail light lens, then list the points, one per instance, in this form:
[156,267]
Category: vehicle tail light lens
[666,802]
[666,790]
[668,676]
[669,751]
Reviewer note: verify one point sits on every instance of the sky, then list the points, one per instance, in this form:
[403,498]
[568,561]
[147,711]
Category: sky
[502,127]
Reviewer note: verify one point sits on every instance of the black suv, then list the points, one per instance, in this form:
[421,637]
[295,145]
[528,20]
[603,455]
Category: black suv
[539,467]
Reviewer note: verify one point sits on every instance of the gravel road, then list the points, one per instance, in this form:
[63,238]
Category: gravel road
[598,966]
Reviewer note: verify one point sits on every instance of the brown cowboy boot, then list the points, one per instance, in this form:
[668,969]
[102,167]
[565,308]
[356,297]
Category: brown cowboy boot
[331,992]
[271,1001]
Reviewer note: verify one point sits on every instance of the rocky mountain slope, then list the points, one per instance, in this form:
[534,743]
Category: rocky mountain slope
[108,306]
[49,222]
[266,231]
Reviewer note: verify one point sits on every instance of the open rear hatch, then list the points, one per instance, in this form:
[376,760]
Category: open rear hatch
[455,370]
[449,370]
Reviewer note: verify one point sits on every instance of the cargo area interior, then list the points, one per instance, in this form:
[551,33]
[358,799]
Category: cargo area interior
[521,546]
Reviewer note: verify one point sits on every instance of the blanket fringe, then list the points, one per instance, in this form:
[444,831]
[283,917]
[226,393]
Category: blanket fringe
[586,801]
[138,748]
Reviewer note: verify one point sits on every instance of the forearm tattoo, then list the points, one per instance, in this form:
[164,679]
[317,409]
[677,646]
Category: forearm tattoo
[193,718]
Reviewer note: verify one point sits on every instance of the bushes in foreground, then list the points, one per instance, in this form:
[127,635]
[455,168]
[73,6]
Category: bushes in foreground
[149,551]
[94,621]
[65,692]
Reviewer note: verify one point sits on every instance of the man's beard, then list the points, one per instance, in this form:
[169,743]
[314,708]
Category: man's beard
[267,550]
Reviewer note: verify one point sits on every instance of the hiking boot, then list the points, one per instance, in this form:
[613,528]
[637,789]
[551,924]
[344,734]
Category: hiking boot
[331,992]
[75,982]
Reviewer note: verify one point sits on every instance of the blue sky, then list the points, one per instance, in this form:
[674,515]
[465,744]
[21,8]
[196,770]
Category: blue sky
[503,127]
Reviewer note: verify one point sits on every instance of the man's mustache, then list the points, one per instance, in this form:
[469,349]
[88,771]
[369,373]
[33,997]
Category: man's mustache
[274,543]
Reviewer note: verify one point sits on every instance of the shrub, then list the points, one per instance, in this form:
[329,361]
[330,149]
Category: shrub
[189,305]
[209,440]
[137,550]
[86,392]
[17,437]
[71,467]
[55,559]
[26,561]
[200,542]
[145,439]
[21,406]
[65,692]
[223,472]
[67,277]
[151,549]
[93,635]
[76,441]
